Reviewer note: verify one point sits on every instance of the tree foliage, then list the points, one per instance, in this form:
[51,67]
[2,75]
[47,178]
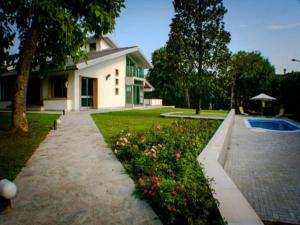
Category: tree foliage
[49,32]
[7,36]
[250,74]
[198,34]
[286,88]
[162,77]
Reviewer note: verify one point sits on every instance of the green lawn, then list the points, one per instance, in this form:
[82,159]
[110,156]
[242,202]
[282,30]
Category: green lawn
[15,147]
[112,123]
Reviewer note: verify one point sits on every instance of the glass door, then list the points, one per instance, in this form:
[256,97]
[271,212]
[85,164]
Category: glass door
[87,93]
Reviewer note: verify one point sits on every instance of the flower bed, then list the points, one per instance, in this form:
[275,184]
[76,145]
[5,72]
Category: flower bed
[162,161]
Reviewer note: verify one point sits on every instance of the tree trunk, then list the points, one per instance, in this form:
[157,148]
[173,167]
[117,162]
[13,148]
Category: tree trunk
[19,101]
[187,98]
[232,100]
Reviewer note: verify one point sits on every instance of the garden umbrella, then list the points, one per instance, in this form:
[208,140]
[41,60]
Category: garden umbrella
[263,98]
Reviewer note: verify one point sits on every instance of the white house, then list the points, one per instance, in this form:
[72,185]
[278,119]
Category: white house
[112,77]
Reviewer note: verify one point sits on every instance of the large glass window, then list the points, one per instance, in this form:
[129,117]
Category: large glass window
[132,68]
[6,88]
[59,87]
[92,47]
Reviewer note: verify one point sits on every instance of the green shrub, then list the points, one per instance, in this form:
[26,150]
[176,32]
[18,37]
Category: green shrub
[162,161]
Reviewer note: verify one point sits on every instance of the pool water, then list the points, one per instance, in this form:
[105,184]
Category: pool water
[281,125]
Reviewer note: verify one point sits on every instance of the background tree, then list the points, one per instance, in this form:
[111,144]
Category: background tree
[178,59]
[286,88]
[206,40]
[52,30]
[250,74]
[7,36]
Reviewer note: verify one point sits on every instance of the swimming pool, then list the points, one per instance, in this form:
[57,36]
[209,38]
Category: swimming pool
[273,124]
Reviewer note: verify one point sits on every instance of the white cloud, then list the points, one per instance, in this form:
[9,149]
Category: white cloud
[283,26]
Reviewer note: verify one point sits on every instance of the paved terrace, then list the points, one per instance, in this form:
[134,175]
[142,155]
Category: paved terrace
[73,178]
[266,168]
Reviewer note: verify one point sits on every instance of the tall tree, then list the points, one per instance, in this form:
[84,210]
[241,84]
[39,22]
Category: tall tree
[178,59]
[52,29]
[250,74]
[205,42]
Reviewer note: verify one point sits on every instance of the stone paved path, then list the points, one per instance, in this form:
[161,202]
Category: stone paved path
[266,168]
[73,178]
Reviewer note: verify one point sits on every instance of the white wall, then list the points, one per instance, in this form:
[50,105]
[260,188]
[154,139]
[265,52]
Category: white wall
[59,104]
[153,102]
[104,45]
[106,88]
[100,45]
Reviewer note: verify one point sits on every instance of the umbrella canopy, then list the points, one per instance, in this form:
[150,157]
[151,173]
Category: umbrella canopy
[263,97]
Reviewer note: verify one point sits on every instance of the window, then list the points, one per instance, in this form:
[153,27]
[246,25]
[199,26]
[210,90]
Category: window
[59,87]
[117,72]
[117,91]
[92,47]
[6,88]
[117,81]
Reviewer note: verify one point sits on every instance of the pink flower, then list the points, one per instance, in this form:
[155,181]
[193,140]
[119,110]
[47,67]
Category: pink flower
[154,155]
[141,181]
[178,155]
[171,208]
[174,193]
[173,174]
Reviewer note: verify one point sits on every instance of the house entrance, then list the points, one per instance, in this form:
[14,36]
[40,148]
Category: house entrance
[88,93]
[34,92]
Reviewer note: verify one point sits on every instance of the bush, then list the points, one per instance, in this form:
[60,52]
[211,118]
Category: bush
[162,161]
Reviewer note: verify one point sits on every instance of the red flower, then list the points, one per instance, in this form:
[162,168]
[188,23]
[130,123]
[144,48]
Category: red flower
[178,155]
[174,193]
[154,178]
[173,174]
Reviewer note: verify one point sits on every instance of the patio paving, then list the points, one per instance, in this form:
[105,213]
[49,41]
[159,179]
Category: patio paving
[266,168]
[74,178]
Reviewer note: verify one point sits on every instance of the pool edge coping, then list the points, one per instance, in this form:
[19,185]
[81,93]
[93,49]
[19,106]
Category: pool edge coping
[230,198]
[257,129]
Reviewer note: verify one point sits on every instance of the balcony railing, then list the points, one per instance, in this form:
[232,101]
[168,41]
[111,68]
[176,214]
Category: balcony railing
[134,72]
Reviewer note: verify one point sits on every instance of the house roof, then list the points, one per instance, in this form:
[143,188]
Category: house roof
[98,54]
[102,56]
[105,55]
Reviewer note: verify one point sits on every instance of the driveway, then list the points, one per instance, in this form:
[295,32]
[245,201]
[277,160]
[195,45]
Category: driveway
[73,178]
[266,168]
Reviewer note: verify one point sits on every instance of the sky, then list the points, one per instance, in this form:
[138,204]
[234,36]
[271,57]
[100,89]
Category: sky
[271,27]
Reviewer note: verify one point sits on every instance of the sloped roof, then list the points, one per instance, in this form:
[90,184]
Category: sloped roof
[98,54]
[98,57]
